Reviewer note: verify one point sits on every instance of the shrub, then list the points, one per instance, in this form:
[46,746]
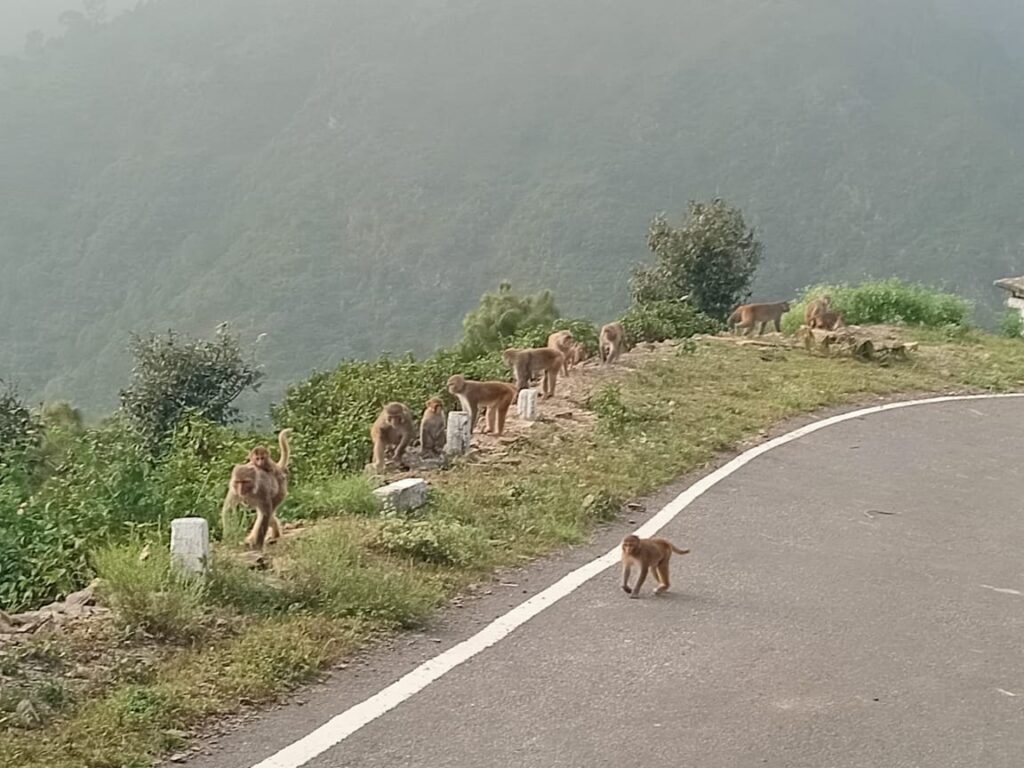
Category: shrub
[1011,324]
[711,258]
[20,433]
[660,320]
[151,594]
[503,316]
[582,330]
[332,412]
[175,374]
[887,302]
[433,540]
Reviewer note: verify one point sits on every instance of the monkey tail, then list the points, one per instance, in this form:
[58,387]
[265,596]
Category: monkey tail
[679,551]
[733,318]
[282,442]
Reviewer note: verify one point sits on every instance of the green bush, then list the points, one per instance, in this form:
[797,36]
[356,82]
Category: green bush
[1011,324]
[889,302]
[332,412]
[582,330]
[326,572]
[504,316]
[660,320]
[349,495]
[433,540]
[150,594]
[174,374]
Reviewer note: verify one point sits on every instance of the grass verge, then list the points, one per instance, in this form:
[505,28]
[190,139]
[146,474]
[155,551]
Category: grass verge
[348,579]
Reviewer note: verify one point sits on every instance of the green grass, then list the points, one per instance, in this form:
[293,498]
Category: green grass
[339,584]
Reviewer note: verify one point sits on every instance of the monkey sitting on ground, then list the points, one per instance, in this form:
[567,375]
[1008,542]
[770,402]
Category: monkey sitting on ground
[647,553]
[262,485]
[612,342]
[527,362]
[495,396]
[749,315]
[393,429]
[433,429]
[815,308]
[563,341]
[828,320]
[577,354]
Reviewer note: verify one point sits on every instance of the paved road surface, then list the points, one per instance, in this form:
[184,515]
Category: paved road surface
[807,630]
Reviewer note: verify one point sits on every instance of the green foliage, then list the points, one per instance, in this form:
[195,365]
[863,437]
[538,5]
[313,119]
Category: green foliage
[191,478]
[150,594]
[891,302]
[328,573]
[340,495]
[660,320]
[502,317]
[1011,324]
[434,540]
[19,434]
[175,374]
[613,416]
[333,411]
[711,259]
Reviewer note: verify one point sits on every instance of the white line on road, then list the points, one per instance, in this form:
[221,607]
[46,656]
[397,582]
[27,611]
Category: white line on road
[1001,590]
[340,727]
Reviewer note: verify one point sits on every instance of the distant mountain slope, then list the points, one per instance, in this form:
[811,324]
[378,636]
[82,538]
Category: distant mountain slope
[350,176]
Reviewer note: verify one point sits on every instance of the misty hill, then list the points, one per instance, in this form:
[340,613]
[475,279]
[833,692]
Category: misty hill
[349,176]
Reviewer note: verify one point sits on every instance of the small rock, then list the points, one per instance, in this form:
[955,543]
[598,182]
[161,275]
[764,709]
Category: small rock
[178,757]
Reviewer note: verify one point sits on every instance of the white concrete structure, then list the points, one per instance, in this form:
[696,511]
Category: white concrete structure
[526,406]
[458,432]
[401,495]
[1015,287]
[190,544]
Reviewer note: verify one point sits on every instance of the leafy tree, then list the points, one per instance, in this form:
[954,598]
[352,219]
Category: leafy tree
[503,316]
[174,374]
[19,431]
[61,414]
[711,258]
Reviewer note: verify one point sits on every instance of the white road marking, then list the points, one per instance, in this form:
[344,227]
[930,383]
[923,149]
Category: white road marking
[340,727]
[1001,590]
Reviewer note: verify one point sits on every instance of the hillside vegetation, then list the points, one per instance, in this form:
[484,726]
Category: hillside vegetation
[348,177]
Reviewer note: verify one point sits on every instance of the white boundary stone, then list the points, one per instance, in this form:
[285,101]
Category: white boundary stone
[190,544]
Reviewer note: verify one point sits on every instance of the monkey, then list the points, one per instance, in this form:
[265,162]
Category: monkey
[647,553]
[495,396]
[527,362]
[749,315]
[433,429]
[394,428]
[563,341]
[828,320]
[613,342]
[815,308]
[261,484]
[577,354]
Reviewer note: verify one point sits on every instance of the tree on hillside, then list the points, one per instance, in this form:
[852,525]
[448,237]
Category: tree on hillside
[175,374]
[19,430]
[711,258]
[502,316]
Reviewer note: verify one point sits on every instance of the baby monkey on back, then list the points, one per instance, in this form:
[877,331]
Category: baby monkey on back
[648,554]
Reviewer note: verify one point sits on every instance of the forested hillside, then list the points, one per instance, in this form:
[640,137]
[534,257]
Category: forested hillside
[348,176]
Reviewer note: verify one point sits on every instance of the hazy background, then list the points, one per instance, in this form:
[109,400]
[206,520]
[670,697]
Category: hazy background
[350,175]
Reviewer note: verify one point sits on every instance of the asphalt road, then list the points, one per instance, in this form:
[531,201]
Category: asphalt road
[855,598]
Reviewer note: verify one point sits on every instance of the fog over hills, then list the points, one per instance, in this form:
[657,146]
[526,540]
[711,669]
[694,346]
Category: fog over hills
[349,176]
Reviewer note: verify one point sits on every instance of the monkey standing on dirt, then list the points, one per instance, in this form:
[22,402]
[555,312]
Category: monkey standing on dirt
[262,485]
[749,315]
